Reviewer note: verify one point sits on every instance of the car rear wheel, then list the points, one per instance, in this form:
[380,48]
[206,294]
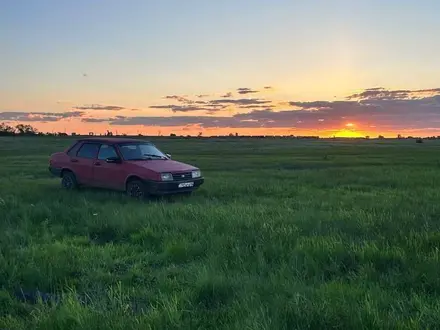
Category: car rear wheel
[68,181]
[135,189]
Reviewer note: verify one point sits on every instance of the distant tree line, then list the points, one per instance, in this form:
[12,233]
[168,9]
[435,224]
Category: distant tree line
[28,130]
[19,129]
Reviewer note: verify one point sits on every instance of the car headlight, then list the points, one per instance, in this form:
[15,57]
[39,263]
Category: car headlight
[196,174]
[166,177]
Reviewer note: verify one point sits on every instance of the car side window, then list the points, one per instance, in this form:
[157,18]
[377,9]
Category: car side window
[106,151]
[88,150]
[74,149]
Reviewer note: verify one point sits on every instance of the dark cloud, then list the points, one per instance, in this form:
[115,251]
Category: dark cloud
[202,95]
[38,116]
[99,107]
[229,94]
[244,90]
[268,87]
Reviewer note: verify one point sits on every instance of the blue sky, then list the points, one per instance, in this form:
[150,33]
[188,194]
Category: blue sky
[135,52]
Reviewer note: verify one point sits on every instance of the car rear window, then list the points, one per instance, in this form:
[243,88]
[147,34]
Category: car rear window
[74,149]
[88,150]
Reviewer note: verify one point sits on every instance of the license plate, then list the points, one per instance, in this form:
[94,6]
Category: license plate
[186,184]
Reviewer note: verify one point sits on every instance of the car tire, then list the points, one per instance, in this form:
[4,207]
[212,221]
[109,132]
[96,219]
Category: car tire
[68,180]
[136,189]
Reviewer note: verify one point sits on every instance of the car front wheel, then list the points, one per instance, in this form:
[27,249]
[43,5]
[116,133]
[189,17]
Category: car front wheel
[68,181]
[136,189]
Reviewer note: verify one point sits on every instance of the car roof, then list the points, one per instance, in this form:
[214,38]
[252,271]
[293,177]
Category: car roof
[113,140]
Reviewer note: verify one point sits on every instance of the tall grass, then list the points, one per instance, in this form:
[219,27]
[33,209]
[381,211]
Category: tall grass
[284,234]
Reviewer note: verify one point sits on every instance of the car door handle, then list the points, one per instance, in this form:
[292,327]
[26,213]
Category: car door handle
[74,160]
[97,163]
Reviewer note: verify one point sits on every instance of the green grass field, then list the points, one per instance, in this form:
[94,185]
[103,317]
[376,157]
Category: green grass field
[284,234]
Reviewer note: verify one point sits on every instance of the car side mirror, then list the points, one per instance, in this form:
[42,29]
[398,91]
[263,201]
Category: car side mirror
[114,160]
[168,155]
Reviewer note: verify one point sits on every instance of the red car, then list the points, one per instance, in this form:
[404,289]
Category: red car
[134,166]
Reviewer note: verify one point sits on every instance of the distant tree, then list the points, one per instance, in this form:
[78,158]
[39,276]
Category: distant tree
[200,134]
[173,135]
[367,137]
[381,137]
[6,130]
[25,129]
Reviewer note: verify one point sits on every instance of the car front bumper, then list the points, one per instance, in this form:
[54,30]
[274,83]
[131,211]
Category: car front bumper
[172,187]
[55,171]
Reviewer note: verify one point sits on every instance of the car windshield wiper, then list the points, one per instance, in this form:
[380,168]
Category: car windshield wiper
[152,155]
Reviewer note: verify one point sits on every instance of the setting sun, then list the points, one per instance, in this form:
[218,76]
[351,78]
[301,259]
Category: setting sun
[348,133]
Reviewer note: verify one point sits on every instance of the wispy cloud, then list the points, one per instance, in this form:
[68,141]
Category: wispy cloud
[380,93]
[245,90]
[38,116]
[253,106]
[100,107]
[182,99]
[189,108]
[229,94]
[240,101]
[102,120]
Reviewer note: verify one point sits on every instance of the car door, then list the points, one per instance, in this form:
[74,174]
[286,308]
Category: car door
[108,175]
[83,162]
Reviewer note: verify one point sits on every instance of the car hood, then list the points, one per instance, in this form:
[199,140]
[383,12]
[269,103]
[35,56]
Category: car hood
[161,166]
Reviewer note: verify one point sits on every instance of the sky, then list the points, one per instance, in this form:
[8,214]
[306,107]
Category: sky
[317,67]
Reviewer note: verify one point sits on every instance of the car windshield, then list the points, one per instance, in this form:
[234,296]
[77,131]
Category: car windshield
[140,151]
